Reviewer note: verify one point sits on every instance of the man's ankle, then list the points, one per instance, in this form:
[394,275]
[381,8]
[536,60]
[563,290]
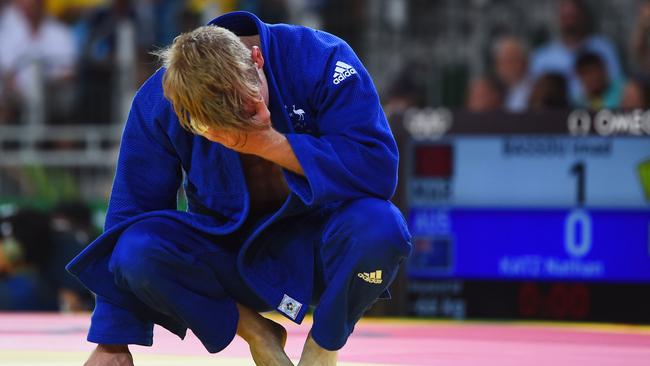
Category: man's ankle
[113,348]
[314,354]
[314,347]
[251,325]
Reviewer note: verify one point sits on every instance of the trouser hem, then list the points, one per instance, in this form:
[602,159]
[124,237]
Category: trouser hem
[116,339]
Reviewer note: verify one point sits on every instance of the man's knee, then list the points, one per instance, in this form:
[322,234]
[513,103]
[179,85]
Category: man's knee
[136,255]
[374,227]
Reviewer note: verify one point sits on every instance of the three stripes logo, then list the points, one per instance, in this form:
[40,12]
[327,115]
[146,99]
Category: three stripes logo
[372,277]
[342,72]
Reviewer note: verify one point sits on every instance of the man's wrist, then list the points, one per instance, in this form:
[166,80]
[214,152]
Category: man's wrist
[273,145]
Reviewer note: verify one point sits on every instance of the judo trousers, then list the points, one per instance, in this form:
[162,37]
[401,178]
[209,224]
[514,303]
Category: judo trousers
[172,269]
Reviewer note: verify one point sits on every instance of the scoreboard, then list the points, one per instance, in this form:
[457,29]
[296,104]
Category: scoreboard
[522,205]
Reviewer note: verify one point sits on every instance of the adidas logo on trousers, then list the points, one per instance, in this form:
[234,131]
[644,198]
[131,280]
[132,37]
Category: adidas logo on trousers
[372,277]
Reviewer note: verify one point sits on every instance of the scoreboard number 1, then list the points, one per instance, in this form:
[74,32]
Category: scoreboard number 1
[577,225]
[578,169]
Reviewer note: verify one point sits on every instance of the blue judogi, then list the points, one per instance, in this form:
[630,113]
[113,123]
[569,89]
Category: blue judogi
[154,264]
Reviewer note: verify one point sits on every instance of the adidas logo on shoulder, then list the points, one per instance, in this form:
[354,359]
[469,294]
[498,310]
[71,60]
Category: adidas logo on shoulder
[342,72]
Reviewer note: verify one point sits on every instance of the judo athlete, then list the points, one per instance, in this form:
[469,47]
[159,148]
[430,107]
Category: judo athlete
[278,137]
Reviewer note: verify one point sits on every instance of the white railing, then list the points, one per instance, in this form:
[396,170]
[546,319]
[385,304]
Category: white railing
[72,146]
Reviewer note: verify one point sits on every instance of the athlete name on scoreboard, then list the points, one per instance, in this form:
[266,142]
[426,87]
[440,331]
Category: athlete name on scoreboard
[535,266]
[530,147]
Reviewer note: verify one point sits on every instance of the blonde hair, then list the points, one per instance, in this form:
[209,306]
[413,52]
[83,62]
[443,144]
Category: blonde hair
[210,79]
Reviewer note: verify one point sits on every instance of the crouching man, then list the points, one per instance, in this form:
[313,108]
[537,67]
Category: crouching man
[286,159]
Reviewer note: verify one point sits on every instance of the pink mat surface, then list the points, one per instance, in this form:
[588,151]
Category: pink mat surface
[386,342]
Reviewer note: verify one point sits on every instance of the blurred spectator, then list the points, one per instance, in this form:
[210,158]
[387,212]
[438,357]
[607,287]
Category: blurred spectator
[25,251]
[98,69]
[6,15]
[484,95]
[166,22]
[600,91]
[33,255]
[511,68]
[403,94]
[73,230]
[7,106]
[74,217]
[575,25]
[641,40]
[4,5]
[210,9]
[270,11]
[549,92]
[346,19]
[273,11]
[69,10]
[36,51]
[4,108]
[636,95]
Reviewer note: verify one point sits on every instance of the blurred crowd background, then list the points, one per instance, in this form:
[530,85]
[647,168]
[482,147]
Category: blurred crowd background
[69,68]
[77,60]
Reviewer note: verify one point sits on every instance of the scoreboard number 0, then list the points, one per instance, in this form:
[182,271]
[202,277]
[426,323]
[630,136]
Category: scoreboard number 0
[577,225]
[577,233]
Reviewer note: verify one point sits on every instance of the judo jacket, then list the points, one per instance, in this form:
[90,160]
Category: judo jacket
[321,98]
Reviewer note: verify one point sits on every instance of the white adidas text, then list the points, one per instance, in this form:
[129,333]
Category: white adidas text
[342,72]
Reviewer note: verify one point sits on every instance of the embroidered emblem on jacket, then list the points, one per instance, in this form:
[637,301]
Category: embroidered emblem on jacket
[298,118]
[342,72]
[372,277]
[289,306]
[298,112]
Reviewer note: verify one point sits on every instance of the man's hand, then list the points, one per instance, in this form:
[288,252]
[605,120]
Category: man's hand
[254,141]
[262,141]
[110,355]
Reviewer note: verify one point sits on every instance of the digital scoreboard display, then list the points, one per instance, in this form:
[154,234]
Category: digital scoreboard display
[523,198]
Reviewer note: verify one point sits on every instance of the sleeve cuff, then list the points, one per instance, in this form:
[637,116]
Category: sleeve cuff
[111,324]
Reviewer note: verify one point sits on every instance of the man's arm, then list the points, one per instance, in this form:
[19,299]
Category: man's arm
[147,178]
[354,154]
[148,172]
[264,141]
[278,150]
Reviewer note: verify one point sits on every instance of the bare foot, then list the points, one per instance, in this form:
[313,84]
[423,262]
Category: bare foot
[106,355]
[315,355]
[265,338]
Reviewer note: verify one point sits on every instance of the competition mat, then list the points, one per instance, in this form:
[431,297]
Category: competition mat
[59,340]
